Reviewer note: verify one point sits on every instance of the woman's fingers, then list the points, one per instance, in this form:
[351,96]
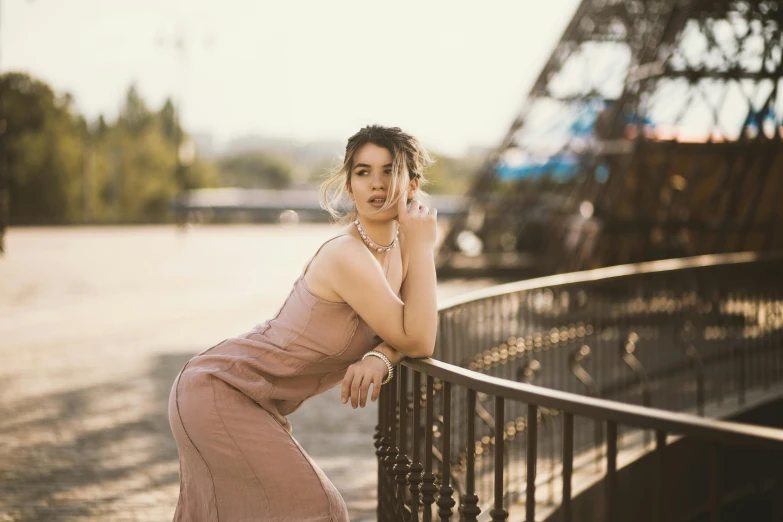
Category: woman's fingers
[402,206]
[364,389]
[347,380]
[418,209]
[376,388]
[357,381]
[356,386]
[419,224]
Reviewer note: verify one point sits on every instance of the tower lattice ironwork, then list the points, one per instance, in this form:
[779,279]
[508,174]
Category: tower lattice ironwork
[653,131]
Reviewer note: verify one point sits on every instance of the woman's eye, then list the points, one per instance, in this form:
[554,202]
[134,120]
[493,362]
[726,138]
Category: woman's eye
[361,172]
[388,172]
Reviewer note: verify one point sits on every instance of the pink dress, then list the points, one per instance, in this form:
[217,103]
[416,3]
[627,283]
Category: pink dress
[227,408]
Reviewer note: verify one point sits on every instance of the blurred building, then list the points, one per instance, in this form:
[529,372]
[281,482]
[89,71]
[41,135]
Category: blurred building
[296,204]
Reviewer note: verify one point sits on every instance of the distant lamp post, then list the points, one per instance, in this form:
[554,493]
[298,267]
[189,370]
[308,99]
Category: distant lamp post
[5,198]
[184,148]
[187,152]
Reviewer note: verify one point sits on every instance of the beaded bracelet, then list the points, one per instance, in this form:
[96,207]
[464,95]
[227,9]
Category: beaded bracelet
[386,360]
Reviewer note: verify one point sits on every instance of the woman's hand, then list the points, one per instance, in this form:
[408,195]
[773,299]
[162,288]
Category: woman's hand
[356,383]
[419,223]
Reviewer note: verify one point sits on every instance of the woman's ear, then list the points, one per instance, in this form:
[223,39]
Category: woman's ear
[413,186]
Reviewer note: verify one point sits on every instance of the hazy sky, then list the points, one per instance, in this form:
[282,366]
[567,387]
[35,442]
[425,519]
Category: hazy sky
[452,73]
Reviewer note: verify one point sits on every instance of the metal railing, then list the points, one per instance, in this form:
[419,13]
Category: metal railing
[700,335]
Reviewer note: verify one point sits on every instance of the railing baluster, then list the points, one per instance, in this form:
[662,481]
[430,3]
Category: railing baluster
[741,382]
[598,438]
[445,500]
[428,488]
[568,463]
[550,426]
[414,479]
[698,367]
[768,367]
[531,457]
[402,462]
[381,444]
[779,491]
[713,469]
[378,436]
[575,360]
[499,514]
[633,362]
[660,451]
[469,509]
[611,470]
[383,453]
[392,450]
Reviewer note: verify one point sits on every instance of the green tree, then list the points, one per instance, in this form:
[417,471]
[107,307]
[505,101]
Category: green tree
[451,175]
[136,170]
[43,146]
[101,127]
[60,169]
[168,120]
[134,117]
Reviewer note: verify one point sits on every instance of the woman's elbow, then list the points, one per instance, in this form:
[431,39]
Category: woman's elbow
[420,345]
[422,350]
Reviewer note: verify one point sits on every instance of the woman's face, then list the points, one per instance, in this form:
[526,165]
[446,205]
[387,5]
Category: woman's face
[370,181]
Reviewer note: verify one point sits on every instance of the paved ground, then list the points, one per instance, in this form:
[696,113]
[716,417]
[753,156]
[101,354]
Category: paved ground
[95,323]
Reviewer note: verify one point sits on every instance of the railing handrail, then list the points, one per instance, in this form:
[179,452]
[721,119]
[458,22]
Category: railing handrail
[622,413]
[665,265]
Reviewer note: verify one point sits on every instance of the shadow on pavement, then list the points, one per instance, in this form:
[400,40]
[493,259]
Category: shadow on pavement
[91,452]
[105,452]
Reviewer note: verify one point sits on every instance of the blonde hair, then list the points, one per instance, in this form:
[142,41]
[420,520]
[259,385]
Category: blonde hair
[409,161]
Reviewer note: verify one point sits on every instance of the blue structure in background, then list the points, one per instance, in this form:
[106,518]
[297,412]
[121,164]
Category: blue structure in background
[561,167]
[576,126]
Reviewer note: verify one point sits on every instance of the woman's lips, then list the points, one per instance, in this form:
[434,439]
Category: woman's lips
[377,201]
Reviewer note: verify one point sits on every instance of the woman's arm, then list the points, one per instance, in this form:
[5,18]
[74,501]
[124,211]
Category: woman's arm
[420,298]
[408,324]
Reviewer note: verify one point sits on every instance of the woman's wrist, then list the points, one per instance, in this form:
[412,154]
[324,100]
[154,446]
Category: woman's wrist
[393,355]
[375,354]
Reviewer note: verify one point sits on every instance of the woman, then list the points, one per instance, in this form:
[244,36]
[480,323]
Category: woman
[364,301]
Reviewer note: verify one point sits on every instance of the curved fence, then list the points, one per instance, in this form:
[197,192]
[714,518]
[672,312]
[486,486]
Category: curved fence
[575,372]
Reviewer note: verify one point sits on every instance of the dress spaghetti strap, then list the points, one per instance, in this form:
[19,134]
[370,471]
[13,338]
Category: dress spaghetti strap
[319,249]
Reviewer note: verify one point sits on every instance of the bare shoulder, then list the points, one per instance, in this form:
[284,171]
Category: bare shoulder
[347,255]
[342,254]
[341,248]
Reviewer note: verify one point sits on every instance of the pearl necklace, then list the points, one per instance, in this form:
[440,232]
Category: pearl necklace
[370,243]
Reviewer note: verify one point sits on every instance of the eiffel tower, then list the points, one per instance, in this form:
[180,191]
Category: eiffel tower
[652,132]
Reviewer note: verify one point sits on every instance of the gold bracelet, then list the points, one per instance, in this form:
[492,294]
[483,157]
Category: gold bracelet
[386,360]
